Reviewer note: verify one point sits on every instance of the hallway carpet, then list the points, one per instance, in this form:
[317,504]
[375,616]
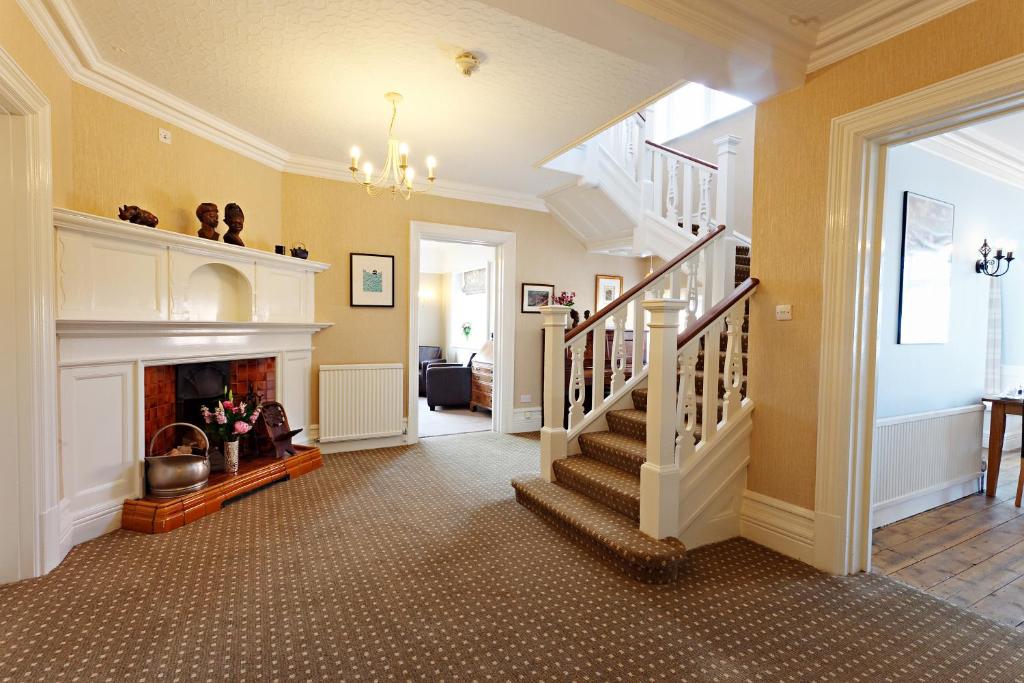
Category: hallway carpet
[416,563]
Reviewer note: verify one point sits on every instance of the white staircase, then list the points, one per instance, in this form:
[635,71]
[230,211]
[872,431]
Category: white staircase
[634,196]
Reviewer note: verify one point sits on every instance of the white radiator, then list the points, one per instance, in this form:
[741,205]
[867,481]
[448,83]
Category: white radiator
[925,460]
[360,401]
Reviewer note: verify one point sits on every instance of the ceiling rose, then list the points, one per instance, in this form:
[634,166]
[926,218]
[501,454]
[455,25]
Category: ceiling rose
[396,176]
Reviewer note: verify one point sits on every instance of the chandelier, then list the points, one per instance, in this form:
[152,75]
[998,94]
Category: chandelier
[396,176]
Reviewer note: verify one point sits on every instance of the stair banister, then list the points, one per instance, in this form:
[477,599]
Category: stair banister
[553,438]
[725,212]
[673,416]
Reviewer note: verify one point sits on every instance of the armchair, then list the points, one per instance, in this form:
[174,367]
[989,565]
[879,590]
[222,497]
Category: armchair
[449,384]
[428,355]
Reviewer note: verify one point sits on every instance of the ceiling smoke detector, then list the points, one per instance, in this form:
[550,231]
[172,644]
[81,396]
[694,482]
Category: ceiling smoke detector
[467,63]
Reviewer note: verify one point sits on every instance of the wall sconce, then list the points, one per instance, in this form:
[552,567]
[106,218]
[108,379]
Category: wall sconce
[993,267]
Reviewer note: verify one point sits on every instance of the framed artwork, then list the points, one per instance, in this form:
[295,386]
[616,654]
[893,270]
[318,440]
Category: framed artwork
[373,280]
[926,270]
[607,288]
[535,296]
[474,281]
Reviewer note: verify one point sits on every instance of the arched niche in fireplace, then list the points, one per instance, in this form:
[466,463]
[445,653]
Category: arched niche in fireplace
[218,292]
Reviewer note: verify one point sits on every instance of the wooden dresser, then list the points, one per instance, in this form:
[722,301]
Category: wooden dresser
[483,378]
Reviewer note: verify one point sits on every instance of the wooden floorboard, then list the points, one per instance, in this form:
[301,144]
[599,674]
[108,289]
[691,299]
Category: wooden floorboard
[969,552]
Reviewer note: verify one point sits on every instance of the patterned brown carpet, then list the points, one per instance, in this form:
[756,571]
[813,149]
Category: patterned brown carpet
[416,563]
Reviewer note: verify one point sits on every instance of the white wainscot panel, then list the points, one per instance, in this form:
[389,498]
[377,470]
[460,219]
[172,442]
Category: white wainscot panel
[296,371]
[99,464]
[283,295]
[925,460]
[106,278]
[205,289]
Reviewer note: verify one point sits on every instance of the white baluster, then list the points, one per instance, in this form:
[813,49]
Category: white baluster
[709,403]
[704,207]
[659,475]
[672,192]
[618,360]
[553,437]
[686,403]
[687,199]
[597,375]
[638,337]
[733,361]
[577,379]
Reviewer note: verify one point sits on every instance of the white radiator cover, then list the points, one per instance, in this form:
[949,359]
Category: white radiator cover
[925,460]
[360,401]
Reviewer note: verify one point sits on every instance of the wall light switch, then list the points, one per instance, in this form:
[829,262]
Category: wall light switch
[165,136]
[525,398]
[784,312]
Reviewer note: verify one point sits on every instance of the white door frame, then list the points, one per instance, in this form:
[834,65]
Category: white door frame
[852,253]
[40,548]
[504,244]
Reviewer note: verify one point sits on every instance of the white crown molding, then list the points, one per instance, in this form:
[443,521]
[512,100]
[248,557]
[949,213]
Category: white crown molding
[979,152]
[874,23]
[64,33]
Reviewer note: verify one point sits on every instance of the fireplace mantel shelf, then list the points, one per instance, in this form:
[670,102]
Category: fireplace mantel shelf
[178,328]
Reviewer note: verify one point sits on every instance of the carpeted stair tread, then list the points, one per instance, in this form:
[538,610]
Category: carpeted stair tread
[617,450]
[614,536]
[631,422]
[640,399]
[607,484]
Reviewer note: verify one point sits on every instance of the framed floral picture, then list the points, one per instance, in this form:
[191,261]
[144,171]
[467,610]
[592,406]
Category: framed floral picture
[607,288]
[535,296]
[373,280]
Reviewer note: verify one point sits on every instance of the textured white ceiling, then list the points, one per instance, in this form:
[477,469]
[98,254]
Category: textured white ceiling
[1008,131]
[822,10]
[309,76]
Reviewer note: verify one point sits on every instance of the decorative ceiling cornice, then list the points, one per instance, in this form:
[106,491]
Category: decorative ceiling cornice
[64,33]
[978,152]
[874,23]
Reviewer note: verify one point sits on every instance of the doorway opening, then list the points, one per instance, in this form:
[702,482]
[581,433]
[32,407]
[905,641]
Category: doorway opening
[461,330]
[949,364]
[455,339]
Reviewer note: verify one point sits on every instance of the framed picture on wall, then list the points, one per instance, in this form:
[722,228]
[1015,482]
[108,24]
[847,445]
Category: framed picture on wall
[607,288]
[535,296]
[373,280]
[926,271]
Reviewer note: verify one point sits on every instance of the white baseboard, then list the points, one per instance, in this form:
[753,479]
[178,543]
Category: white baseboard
[781,526]
[526,420]
[363,444]
[894,510]
[94,523]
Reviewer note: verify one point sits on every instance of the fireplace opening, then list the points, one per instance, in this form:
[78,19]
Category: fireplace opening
[198,385]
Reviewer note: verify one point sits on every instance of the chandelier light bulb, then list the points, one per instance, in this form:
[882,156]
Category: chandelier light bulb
[355,153]
[410,175]
[403,148]
[368,170]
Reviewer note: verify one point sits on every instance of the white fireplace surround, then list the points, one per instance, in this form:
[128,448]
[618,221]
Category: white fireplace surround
[128,297]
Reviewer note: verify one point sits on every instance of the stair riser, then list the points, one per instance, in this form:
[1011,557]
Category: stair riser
[646,574]
[630,428]
[609,497]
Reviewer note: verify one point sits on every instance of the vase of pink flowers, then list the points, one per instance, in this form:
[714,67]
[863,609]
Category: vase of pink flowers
[565,299]
[229,421]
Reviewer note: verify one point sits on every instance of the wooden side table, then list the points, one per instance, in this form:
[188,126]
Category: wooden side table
[1001,407]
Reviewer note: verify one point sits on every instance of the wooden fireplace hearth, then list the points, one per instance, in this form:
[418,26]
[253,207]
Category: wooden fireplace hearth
[160,515]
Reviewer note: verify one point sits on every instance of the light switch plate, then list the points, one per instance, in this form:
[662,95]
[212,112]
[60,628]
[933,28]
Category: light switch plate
[784,312]
[165,136]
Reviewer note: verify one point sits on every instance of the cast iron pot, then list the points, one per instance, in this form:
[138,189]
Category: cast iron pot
[170,476]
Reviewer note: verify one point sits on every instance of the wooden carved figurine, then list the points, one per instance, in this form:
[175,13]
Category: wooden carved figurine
[273,433]
[234,219]
[575,315]
[137,215]
[209,217]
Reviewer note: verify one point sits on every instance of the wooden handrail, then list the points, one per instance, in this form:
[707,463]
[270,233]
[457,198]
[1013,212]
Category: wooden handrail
[717,311]
[640,286]
[676,152]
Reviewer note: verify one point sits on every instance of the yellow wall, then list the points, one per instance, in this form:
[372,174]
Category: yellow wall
[791,166]
[335,218]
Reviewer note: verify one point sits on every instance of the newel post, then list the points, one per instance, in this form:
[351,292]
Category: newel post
[553,437]
[659,475]
[725,213]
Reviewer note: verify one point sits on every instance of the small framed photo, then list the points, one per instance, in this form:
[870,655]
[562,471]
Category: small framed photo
[535,296]
[373,280]
[607,288]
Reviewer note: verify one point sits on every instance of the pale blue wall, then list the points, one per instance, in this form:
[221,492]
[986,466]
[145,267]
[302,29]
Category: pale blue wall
[921,378]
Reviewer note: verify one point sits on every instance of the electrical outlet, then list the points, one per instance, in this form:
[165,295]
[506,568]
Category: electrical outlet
[165,136]
[784,312]
[526,398]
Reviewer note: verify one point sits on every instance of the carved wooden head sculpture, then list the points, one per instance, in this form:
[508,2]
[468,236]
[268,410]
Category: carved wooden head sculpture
[234,219]
[209,217]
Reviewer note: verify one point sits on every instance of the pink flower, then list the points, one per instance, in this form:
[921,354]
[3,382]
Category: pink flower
[228,405]
[221,418]
[242,427]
